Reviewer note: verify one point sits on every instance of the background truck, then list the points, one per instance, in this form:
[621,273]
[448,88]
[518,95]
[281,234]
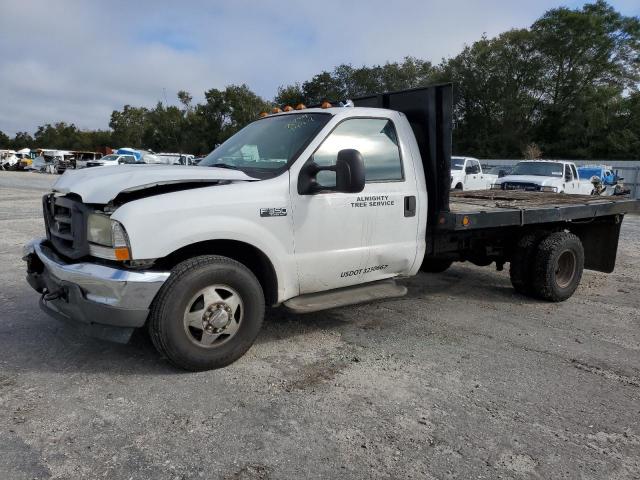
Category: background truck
[545,176]
[604,179]
[467,174]
[310,209]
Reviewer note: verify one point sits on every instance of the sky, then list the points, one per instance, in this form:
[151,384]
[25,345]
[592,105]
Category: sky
[78,60]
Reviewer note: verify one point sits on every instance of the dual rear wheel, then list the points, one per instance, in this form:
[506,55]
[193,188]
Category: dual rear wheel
[547,265]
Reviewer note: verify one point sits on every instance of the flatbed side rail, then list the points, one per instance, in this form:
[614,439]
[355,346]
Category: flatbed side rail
[481,210]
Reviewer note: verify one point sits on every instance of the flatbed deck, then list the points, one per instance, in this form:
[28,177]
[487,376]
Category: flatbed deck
[499,208]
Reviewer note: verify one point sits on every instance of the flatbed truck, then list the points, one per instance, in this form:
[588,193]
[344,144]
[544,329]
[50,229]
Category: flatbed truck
[307,208]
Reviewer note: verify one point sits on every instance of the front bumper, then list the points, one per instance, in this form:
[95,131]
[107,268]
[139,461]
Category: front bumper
[101,301]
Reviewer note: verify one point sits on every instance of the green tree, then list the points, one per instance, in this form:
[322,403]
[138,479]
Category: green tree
[591,55]
[163,127]
[498,93]
[23,140]
[346,81]
[128,126]
[5,141]
[58,135]
[290,95]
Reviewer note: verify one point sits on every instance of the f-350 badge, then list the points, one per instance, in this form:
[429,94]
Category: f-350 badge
[273,212]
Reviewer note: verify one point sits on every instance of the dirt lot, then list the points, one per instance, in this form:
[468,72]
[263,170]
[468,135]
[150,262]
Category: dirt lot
[460,379]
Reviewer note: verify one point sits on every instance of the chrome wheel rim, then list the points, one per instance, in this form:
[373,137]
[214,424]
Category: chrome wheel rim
[213,316]
[565,268]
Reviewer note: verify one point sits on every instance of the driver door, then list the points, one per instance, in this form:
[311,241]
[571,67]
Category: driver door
[473,180]
[343,239]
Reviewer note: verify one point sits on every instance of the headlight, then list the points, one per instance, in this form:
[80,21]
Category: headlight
[549,189]
[103,232]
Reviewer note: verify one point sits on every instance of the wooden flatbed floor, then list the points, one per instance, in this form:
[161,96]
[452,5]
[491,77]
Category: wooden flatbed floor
[499,208]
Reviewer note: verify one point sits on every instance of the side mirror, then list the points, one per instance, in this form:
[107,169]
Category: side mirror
[349,169]
[502,173]
[350,176]
[468,170]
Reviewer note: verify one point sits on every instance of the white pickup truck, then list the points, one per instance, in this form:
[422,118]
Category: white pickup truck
[311,209]
[467,174]
[545,176]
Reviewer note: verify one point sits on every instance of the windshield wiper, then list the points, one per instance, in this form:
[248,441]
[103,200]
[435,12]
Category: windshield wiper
[225,165]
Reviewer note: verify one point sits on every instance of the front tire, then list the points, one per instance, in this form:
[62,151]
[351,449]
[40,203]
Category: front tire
[558,266]
[207,314]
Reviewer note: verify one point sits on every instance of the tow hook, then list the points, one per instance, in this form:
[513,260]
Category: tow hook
[48,296]
[499,265]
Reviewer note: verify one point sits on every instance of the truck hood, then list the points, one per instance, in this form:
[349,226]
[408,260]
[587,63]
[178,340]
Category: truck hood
[103,184]
[535,179]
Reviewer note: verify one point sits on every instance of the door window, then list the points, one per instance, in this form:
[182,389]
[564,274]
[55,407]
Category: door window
[567,174]
[374,138]
[574,171]
[473,166]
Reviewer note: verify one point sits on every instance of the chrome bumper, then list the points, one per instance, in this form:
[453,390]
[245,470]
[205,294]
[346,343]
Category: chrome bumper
[106,302]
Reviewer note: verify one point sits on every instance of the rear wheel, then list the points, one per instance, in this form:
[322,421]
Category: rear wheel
[521,264]
[558,266]
[207,314]
[435,265]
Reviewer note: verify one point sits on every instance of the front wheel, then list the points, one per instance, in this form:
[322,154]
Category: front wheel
[207,314]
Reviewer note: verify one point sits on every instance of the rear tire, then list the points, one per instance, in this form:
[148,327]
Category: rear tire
[521,264]
[558,266]
[207,314]
[435,265]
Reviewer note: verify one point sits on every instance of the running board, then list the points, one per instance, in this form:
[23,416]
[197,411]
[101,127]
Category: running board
[341,297]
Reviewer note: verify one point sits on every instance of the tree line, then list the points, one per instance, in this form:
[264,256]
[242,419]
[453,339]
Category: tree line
[567,87]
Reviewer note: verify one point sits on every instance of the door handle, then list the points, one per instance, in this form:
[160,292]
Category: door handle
[410,206]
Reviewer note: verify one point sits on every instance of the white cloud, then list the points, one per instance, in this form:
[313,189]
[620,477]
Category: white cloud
[76,61]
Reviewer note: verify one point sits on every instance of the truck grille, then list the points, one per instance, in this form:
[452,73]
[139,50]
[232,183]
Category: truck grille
[529,187]
[66,225]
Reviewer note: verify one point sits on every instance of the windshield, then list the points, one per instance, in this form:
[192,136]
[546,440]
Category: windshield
[540,169]
[266,147]
[457,163]
[110,157]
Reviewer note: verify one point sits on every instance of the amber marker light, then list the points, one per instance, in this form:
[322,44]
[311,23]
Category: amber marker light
[122,253]
[326,104]
[288,108]
[465,221]
[301,106]
[276,110]
[263,114]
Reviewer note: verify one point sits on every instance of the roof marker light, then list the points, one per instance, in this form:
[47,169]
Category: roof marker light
[263,114]
[301,106]
[326,104]
[288,108]
[276,110]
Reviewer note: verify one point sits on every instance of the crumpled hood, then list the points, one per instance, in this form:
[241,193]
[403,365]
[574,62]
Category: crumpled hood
[103,184]
[536,179]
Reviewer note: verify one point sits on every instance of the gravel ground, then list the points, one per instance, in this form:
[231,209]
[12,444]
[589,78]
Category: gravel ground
[462,378]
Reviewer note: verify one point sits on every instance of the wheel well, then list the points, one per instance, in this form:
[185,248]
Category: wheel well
[458,186]
[251,257]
